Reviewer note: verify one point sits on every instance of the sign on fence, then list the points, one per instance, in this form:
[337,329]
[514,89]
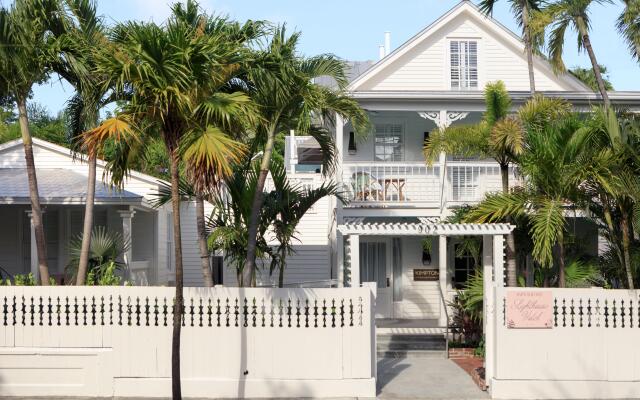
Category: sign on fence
[530,309]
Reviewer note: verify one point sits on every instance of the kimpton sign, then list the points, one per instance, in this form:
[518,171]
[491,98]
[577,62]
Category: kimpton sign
[530,309]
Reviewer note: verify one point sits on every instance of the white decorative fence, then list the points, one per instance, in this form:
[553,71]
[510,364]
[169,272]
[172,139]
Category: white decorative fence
[236,343]
[590,352]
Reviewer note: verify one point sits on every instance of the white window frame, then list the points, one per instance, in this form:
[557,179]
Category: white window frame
[402,140]
[478,63]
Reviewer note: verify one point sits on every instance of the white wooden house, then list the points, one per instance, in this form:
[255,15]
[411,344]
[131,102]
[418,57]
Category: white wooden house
[431,81]
[62,187]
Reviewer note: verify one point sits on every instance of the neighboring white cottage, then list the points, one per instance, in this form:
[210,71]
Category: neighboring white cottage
[62,186]
[433,80]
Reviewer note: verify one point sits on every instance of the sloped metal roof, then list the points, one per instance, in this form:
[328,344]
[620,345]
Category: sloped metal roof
[58,186]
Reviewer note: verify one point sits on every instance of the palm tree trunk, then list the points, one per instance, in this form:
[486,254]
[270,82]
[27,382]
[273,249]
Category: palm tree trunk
[36,211]
[512,273]
[626,245]
[88,220]
[250,263]
[561,274]
[179,301]
[528,49]
[281,272]
[586,41]
[202,242]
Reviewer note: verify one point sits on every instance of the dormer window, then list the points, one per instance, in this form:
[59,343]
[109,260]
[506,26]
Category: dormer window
[463,56]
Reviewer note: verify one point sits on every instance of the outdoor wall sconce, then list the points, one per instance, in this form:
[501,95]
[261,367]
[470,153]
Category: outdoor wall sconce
[426,137]
[352,143]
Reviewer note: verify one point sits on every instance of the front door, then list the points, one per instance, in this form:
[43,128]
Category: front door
[375,266]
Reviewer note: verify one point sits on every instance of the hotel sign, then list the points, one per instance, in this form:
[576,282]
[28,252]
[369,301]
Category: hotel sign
[530,309]
[426,275]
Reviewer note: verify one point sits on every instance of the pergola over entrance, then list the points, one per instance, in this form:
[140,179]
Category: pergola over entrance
[348,239]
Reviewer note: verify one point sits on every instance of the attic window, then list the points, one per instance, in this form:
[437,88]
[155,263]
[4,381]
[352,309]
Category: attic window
[464,64]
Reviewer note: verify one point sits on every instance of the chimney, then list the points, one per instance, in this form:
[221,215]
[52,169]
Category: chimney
[381,51]
[387,43]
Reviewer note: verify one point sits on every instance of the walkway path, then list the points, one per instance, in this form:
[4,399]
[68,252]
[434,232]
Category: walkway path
[425,379]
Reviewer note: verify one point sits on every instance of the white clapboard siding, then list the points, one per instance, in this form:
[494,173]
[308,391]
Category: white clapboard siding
[425,65]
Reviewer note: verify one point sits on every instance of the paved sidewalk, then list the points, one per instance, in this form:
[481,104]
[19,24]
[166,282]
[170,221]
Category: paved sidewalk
[426,379]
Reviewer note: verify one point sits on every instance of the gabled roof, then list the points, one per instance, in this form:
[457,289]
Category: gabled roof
[67,153]
[462,7]
[58,186]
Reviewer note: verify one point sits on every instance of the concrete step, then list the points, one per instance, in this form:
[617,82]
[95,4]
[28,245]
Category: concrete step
[409,346]
[412,354]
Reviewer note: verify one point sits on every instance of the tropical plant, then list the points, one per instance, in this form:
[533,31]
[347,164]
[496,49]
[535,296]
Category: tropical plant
[611,178]
[287,204]
[76,63]
[24,56]
[564,14]
[522,9]
[628,25]
[498,136]
[106,249]
[549,164]
[230,219]
[170,74]
[105,275]
[588,77]
[288,98]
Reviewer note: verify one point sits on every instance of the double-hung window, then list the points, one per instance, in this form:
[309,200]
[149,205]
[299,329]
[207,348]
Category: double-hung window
[463,55]
[389,143]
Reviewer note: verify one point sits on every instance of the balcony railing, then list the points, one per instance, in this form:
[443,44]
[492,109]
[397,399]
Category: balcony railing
[419,185]
[392,183]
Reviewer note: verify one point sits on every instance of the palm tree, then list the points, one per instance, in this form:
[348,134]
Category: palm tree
[230,219]
[24,57]
[611,177]
[287,204]
[161,70]
[522,10]
[497,136]
[287,98]
[76,64]
[629,26]
[563,14]
[549,165]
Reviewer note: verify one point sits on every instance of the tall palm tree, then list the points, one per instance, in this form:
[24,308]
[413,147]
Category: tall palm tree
[522,9]
[161,69]
[76,64]
[287,203]
[497,136]
[629,26]
[564,14]
[549,164]
[24,59]
[287,98]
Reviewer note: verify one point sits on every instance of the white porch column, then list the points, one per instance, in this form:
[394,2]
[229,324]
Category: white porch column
[444,277]
[339,147]
[34,248]
[340,259]
[498,261]
[354,262]
[127,216]
[488,243]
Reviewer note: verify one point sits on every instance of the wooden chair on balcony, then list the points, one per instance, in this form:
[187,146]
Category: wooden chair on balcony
[366,187]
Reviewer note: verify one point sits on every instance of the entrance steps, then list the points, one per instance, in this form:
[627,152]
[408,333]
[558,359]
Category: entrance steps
[424,345]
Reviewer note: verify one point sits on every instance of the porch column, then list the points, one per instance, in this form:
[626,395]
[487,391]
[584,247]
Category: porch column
[294,151]
[340,259]
[33,264]
[444,278]
[488,252]
[127,216]
[498,261]
[354,260]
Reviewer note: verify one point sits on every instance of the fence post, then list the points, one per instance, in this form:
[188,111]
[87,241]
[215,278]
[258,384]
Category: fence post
[488,306]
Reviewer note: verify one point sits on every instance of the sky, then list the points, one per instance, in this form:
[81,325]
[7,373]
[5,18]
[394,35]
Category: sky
[353,30]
